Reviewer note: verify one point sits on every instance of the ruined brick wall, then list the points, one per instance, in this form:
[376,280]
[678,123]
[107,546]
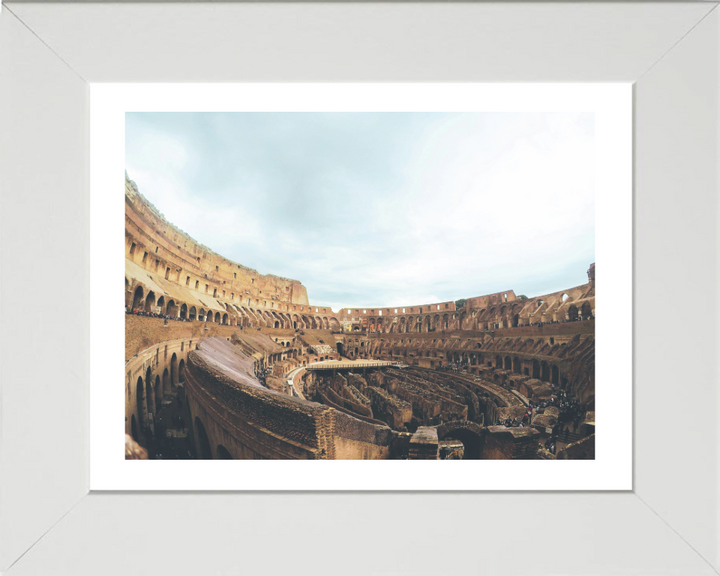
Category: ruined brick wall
[151,375]
[255,422]
[390,409]
[146,227]
[510,443]
[359,440]
[142,332]
[583,449]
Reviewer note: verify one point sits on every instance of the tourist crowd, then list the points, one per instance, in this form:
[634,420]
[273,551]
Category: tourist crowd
[138,312]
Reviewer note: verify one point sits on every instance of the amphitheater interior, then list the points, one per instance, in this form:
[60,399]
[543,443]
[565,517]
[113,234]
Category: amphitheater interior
[225,363]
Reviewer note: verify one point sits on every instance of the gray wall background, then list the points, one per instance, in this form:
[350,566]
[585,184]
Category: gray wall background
[48,54]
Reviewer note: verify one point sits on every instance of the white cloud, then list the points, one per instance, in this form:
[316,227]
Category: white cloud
[398,210]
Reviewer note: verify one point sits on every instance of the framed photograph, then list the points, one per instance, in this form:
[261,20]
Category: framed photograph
[248,144]
[224,362]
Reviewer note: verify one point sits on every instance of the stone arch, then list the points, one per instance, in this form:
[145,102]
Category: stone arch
[174,370]
[572,313]
[222,453]
[134,429]
[137,298]
[127,292]
[508,363]
[184,311]
[536,369]
[544,371]
[149,302]
[469,433]
[204,451]
[158,393]
[140,398]
[149,404]
[161,304]
[181,371]
[586,310]
[166,382]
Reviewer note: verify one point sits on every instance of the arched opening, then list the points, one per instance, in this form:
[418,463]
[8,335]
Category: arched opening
[586,310]
[472,443]
[536,369]
[149,390]
[166,382]
[137,298]
[572,313]
[160,303]
[181,371]
[565,297]
[516,320]
[508,363]
[174,370]
[149,302]
[222,453]
[554,375]
[545,372]
[184,311]
[340,349]
[134,428]
[277,324]
[208,316]
[225,319]
[204,451]
[140,396]
[158,394]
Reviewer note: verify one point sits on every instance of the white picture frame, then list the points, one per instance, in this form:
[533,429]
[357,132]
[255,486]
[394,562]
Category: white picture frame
[50,523]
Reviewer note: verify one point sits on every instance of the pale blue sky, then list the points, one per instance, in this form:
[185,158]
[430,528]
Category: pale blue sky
[379,209]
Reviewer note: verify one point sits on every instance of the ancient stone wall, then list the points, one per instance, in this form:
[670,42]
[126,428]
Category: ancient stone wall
[257,422]
[152,375]
[510,443]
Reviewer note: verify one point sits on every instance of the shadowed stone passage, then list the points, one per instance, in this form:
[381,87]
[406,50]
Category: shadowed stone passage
[471,434]
[222,362]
